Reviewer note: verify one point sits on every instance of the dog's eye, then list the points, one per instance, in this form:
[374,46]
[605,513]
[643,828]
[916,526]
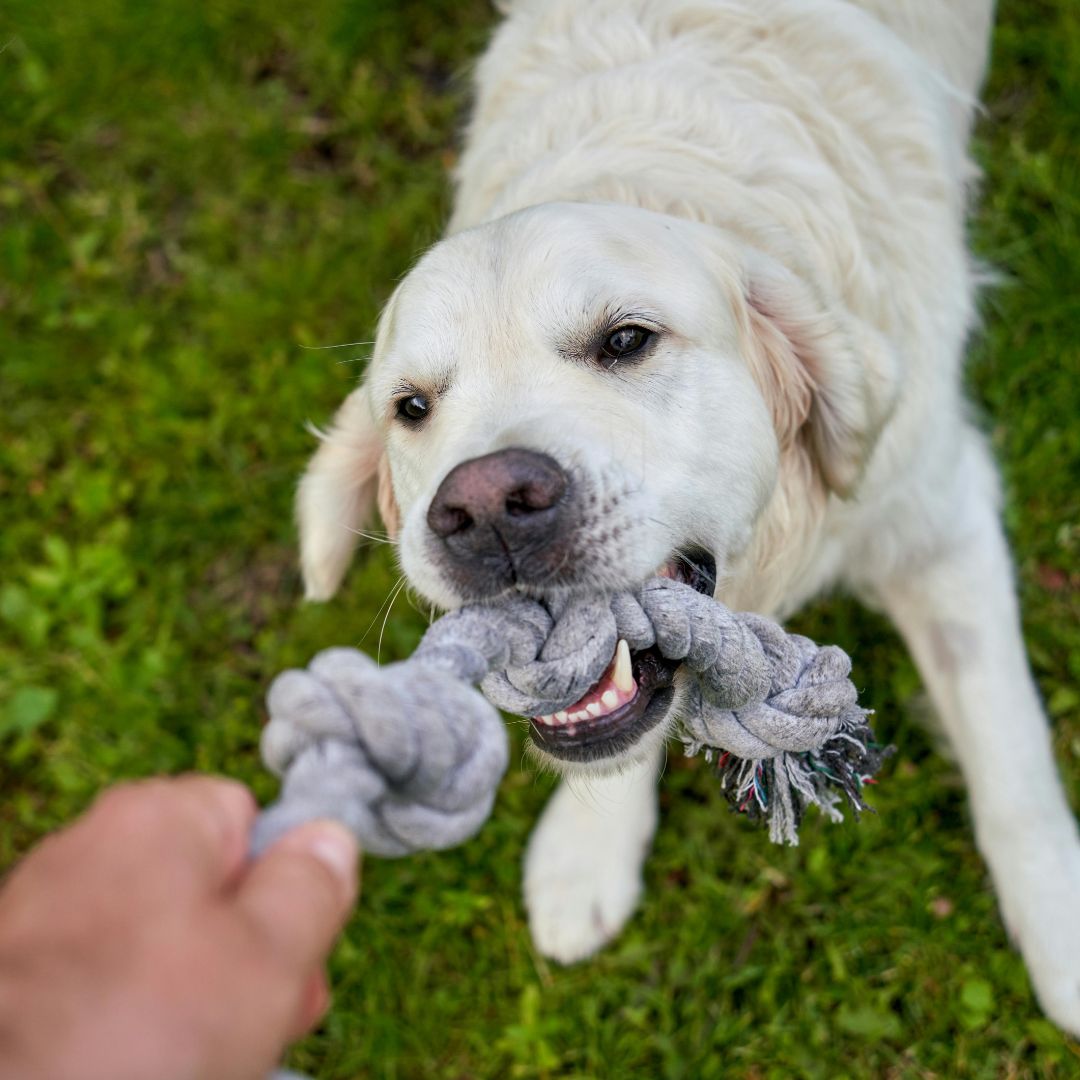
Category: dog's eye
[625,341]
[413,408]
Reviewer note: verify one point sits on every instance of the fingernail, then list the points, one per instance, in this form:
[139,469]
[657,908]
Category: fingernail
[335,847]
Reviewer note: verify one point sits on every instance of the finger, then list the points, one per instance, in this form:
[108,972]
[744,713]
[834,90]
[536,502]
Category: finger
[300,892]
[313,1007]
[229,810]
[190,831]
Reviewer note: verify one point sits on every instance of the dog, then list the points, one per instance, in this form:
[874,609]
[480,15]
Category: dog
[701,310]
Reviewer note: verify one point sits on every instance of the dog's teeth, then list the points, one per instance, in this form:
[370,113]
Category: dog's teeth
[623,675]
[620,689]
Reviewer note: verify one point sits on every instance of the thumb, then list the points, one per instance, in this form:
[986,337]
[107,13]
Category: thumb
[300,892]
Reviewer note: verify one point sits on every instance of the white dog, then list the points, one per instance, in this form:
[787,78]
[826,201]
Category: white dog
[702,309]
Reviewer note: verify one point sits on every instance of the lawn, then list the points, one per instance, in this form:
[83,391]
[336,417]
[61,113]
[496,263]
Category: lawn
[192,196]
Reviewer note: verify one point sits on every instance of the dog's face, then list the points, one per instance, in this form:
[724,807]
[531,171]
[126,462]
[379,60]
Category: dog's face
[571,398]
[584,380]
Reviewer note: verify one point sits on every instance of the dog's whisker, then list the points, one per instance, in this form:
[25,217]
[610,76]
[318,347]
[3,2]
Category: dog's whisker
[687,561]
[389,607]
[415,601]
[386,539]
[389,599]
[343,345]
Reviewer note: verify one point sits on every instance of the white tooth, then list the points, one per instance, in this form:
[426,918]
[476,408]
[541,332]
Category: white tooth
[623,675]
[583,715]
[610,699]
[545,720]
[595,708]
[561,716]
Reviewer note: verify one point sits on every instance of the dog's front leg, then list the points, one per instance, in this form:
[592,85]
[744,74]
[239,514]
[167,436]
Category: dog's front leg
[584,859]
[959,616]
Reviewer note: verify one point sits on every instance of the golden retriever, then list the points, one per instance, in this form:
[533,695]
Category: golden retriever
[702,309]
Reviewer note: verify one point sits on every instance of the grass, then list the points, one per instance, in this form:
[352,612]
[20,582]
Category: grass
[190,194]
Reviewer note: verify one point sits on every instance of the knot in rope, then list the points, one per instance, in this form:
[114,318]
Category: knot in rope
[409,756]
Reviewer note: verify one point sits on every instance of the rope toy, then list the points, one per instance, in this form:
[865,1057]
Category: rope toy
[409,756]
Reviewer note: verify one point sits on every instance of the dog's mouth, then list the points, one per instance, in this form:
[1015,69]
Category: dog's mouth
[632,696]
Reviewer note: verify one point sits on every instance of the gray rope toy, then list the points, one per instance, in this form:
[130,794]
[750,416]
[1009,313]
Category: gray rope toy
[409,756]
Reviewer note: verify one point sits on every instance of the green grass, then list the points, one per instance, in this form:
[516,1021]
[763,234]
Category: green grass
[191,193]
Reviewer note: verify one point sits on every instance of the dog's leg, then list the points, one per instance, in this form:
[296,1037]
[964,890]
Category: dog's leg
[583,864]
[958,613]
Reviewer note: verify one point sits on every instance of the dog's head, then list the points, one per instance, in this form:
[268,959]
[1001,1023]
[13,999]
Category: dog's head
[574,398]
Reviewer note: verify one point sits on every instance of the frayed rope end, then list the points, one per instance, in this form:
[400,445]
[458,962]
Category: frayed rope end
[777,791]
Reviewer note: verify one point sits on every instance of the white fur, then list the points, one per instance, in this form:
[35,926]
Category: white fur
[585,856]
[781,187]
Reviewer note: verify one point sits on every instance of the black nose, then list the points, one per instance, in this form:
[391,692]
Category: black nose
[499,505]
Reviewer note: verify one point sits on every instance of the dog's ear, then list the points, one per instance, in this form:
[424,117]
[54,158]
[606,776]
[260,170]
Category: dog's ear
[829,379]
[345,480]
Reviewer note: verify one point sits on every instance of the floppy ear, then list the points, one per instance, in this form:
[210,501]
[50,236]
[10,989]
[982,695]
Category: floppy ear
[830,380]
[345,479]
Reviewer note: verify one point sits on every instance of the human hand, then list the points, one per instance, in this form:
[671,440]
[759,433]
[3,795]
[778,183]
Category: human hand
[142,942]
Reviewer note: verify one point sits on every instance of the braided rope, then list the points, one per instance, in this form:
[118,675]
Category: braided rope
[409,756]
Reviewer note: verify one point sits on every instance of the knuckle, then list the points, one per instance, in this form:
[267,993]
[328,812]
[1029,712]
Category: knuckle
[219,810]
[138,805]
[219,795]
[237,795]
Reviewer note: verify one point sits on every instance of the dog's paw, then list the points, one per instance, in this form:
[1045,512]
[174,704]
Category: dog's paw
[1049,941]
[1052,955]
[577,906]
[583,865]
[1040,904]
[1059,998]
